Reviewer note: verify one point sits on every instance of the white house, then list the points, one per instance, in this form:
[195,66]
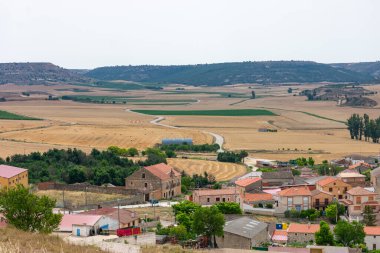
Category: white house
[85,225]
[372,237]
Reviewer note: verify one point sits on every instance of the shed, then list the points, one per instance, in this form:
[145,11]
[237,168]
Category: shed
[85,223]
[243,233]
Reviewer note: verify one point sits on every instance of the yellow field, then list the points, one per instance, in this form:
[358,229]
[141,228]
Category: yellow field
[221,171]
[86,126]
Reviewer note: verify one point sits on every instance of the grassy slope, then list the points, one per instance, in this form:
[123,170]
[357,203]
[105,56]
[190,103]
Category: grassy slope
[237,112]
[16,241]
[12,116]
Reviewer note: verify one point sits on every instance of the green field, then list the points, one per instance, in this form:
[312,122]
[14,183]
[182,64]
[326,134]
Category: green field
[12,116]
[237,112]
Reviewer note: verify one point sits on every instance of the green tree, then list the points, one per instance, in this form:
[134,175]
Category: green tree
[349,234]
[253,95]
[332,212]
[133,152]
[185,220]
[369,218]
[27,211]
[324,236]
[179,232]
[155,156]
[229,207]
[186,207]
[209,221]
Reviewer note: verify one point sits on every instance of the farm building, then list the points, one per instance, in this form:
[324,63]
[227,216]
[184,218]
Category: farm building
[302,233]
[277,178]
[85,225]
[11,176]
[159,181]
[126,217]
[243,233]
[214,196]
[178,141]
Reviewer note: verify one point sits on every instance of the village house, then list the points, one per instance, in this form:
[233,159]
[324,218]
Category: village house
[243,233]
[372,237]
[357,199]
[84,225]
[124,217]
[249,185]
[352,177]
[277,178]
[159,181]
[298,198]
[302,233]
[320,199]
[333,185]
[361,167]
[214,196]
[11,176]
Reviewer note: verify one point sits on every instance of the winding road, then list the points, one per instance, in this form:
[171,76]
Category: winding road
[218,139]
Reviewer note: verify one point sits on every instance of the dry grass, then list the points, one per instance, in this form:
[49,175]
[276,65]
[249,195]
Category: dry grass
[165,213]
[165,249]
[78,197]
[16,241]
[221,171]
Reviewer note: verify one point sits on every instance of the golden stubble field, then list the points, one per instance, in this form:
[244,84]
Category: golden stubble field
[301,130]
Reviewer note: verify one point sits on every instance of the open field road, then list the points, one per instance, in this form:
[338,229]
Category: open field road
[218,139]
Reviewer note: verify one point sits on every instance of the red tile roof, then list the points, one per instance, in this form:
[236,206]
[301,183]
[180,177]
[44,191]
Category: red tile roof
[10,171]
[126,216]
[296,191]
[360,164]
[253,197]
[372,230]
[326,181]
[162,171]
[303,228]
[247,181]
[360,191]
[280,235]
[212,192]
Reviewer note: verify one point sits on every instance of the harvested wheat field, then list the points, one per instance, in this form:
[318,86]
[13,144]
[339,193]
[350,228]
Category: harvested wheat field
[78,197]
[221,171]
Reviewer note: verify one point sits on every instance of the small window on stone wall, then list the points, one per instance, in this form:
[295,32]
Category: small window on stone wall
[143,175]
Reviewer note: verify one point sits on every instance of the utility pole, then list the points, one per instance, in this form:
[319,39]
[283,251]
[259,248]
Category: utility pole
[85,196]
[63,199]
[118,212]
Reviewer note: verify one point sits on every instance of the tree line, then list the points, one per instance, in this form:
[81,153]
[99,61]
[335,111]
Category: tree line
[363,127]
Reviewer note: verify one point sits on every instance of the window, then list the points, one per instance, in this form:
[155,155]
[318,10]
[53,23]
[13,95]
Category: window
[357,208]
[358,200]
[330,189]
[374,246]
[296,234]
[370,198]
[131,183]
[345,189]
[340,197]
[208,200]
[143,175]
[224,199]
[326,201]
[334,183]
[374,236]
[217,199]
[290,202]
[146,185]
[317,202]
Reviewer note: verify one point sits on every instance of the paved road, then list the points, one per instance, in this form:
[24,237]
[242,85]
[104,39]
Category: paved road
[218,139]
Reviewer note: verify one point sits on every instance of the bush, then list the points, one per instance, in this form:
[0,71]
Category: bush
[269,205]
[229,208]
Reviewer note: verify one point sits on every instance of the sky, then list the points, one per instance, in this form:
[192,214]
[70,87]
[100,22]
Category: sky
[93,33]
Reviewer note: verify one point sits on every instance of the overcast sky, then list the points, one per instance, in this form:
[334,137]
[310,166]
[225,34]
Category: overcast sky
[92,33]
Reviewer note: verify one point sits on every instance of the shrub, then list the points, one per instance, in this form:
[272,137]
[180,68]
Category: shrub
[269,205]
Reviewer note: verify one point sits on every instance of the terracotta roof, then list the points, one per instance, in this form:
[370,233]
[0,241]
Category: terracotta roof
[162,171]
[372,230]
[126,216]
[303,228]
[316,192]
[280,235]
[68,220]
[212,192]
[360,191]
[247,181]
[346,201]
[10,171]
[253,197]
[326,181]
[295,191]
[360,164]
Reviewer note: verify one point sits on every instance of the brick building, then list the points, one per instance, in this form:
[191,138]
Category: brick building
[321,199]
[159,181]
[333,185]
[214,196]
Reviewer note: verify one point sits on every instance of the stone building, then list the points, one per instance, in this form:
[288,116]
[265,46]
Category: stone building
[159,181]
[243,233]
[333,185]
[249,185]
[214,196]
[302,233]
[278,178]
[371,239]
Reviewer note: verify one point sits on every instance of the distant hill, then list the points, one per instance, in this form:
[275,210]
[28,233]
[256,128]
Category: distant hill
[370,68]
[37,73]
[232,73]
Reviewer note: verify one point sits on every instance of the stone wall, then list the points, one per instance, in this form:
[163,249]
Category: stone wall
[300,237]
